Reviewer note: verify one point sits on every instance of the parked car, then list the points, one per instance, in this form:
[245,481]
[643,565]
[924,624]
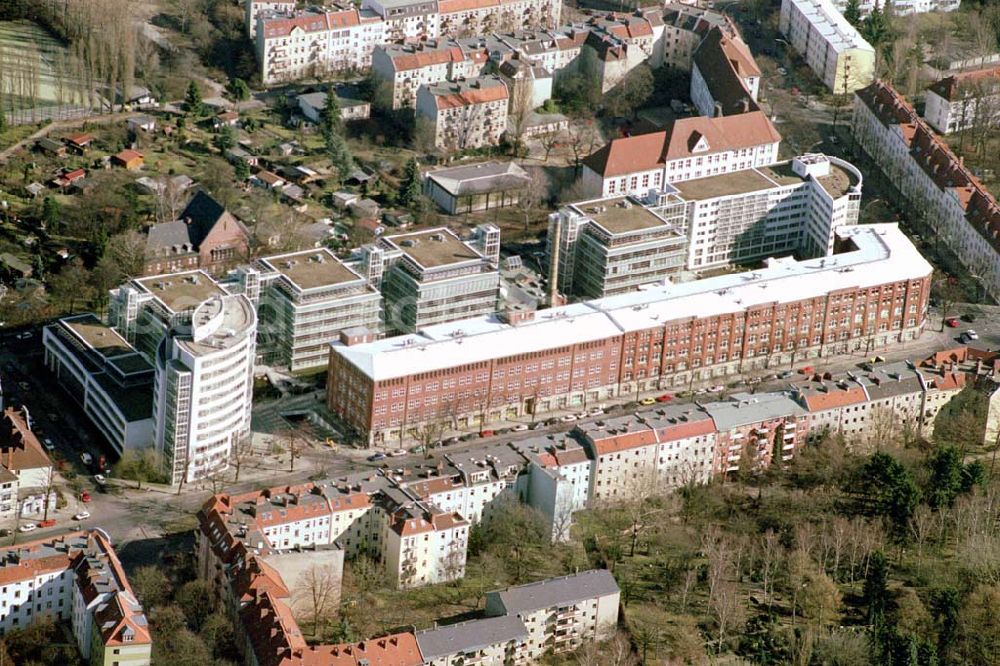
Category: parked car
[48,444]
[666,397]
[468,437]
[718,388]
[418,449]
[969,317]
[84,496]
[569,418]
[375,457]
[951,322]
[398,453]
[596,411]
[49,522]
[486,433]
[99,478]
[83,515]
[520,427]
[648,401]
[86,458]
[27,527]
[786,374]
[971,335]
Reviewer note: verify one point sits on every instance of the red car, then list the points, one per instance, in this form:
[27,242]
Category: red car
[47,523]
[84,496]
[952,322]
[666,397]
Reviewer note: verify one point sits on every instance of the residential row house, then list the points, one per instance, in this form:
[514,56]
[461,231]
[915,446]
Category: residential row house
[464,114]
[26,471]
[76,578]
[947,198]
[964,100]
[870,293]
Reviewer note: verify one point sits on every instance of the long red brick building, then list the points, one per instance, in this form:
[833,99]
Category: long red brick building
[871,293]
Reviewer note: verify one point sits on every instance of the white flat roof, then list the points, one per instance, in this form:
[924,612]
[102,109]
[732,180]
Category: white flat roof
[832,25]
[883,255]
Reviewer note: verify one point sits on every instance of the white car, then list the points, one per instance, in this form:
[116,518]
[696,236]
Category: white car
[27,527]
[100,479]
[83,515]
[48,444]
[86,458]
[717,388]
[520,427]
[568,418]
[971,335]
[398,453]
[596,411]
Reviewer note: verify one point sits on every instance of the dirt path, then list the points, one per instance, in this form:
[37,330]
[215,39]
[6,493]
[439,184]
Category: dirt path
[61,125]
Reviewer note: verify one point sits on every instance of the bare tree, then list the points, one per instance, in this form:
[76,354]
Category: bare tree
[521,108]
[583,138]
[242,452]
[532,195]
[317,595]
[549,141]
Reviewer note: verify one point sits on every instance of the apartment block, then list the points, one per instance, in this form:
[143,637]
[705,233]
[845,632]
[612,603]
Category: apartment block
[944,194]
[834,50]
[316,43]
[490,641]
[76,578]
[684,27]
[433,277]
[687,149]
[964,100]
[406,67]
[254,8]
[25,469]
[561,614]
[622,42]
[305,300]
[648,454]
[106,376]
[902,7]
[471,18]
[203,388]
[485,370]
[757,430]
[465,114]
[725,78]
[614,245]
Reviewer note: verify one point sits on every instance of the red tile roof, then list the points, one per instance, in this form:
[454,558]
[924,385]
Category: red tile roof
[19,447]
[831,396]
[623,442]
[645,152]
[950,85]
[467,95]
[426,58]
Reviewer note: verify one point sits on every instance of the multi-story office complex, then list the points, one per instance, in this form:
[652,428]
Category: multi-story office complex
[76,578]
[689,148]
[305,299]
[432,277]
[872,291]
[834,50]
[465,114]
[111,381]
[316,43]
[561,614]
[964,100]
[902,7]
[609,246]
[203,388]
[944,194]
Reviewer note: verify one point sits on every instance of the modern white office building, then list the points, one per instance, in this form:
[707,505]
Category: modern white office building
[304,300]
[108,378]
[834,50]
[204,386]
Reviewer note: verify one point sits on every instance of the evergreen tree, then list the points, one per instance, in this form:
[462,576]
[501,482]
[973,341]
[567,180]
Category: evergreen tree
[409,188]
[876,29]
[242,170]
[852,12]
[239,89]
[330,122]
[225,139]
[340,157]
[876,589]
[51,213]
[192,99]
[3,116]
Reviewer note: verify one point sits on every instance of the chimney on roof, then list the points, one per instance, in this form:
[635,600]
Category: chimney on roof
[187,220]
[746,104]
[718,109]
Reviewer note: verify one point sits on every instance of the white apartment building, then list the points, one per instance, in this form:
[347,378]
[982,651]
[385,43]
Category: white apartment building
[423,547]
[689,148]
[933,181]
[76,578]
[304,300]
[407,67]
[470,18]
[108,378]
[902,7]
[684,27]
[254,8]
[558,480]
[561,613]
[203,388]
[465,114]
[650,454]
[310,44]
[488,641]
[834,50]
[964,100]
[407,20]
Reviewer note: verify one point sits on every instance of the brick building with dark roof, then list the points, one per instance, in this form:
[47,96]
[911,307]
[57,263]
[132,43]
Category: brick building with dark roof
[205,236]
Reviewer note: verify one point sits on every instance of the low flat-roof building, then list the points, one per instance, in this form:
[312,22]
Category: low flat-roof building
[110,380]
[304,300]
[474,187]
